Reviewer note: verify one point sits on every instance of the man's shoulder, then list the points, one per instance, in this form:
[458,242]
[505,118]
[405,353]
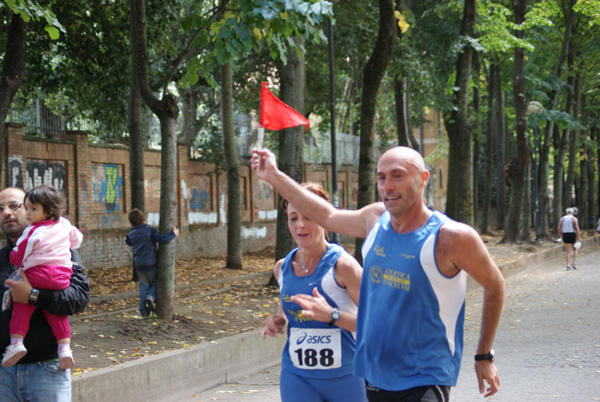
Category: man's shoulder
[453,232]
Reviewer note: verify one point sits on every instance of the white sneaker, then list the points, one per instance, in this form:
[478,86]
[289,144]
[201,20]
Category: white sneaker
[13,354]
[66,358]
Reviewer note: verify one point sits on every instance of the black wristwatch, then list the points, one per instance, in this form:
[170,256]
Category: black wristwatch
[485,356]
[33,296]
[335,316]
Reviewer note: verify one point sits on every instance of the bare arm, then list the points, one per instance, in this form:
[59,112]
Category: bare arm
[275,323]
[454,241]
[348,273]
[352,223]
[576,224]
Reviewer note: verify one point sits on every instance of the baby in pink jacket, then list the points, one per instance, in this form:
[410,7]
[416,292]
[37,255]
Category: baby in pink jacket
[44,256]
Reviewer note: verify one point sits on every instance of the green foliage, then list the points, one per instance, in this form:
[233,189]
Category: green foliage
[251,25]
[30,10]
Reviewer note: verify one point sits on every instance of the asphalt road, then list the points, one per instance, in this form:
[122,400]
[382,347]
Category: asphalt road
[547,344]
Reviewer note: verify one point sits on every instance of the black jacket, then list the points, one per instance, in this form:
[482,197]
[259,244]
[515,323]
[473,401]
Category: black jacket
[39,341]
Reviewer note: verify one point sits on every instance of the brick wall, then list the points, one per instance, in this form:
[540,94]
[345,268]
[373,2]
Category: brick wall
[95,180]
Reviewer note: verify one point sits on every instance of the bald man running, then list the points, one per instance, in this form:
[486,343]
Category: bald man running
[412,297]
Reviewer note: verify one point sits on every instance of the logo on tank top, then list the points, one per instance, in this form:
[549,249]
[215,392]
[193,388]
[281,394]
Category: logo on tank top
[298,316]
[390,277]
[379,250]
[375,273]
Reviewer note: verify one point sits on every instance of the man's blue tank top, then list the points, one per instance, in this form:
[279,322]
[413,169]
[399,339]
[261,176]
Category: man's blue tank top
[411,317]
[310,354]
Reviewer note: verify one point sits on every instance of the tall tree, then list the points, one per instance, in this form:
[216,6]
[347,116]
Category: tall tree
[501,150]
[517,167]
[234,196]
[291,140]
[549,132]
[372,76]
[489,151]
[567,194]
[166,110]
[19,12]
[460,131]
[13,71]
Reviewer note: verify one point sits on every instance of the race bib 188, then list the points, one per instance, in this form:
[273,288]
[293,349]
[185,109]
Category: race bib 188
[312,348]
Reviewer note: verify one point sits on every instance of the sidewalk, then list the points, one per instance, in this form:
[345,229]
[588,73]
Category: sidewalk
[184,375]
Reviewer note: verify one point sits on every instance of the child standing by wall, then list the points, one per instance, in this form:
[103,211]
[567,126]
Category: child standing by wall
[44,256]
[144,238]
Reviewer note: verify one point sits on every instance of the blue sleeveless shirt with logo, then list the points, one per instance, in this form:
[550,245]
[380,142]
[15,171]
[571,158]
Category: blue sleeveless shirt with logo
[411,317]
[314,349]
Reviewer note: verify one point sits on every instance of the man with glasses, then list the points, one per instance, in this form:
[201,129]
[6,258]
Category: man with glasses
[37,375]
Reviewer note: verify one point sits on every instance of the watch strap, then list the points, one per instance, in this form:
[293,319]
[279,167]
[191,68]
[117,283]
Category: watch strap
[485,356]
[334,316]
[33,296]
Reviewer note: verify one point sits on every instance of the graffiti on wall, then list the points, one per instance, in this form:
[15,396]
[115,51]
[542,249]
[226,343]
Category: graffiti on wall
[200,200]
[51,173]
[107,186]
[15,171]
[200,194]
[108,221]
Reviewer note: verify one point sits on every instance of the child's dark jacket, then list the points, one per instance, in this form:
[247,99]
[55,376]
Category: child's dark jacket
[144,238]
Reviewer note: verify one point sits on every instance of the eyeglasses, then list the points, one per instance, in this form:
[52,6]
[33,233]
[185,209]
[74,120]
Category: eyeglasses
[13,206]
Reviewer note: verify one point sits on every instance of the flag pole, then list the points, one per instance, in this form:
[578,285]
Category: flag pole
[259,142]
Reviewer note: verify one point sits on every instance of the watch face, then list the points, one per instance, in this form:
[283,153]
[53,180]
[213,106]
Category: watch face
[335,315]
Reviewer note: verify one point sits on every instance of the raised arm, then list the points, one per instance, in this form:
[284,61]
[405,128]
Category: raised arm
[352,223]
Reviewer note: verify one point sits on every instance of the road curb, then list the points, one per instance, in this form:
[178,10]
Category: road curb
[169,376]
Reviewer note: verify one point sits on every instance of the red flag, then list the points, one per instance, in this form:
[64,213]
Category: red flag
[276,115]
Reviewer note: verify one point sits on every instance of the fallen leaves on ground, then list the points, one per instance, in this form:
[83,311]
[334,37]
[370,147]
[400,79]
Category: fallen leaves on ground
[210,302]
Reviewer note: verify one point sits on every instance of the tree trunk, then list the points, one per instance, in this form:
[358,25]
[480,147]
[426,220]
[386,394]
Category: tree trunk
[527,210]
[559,176]
[291,140]
[582,195]
[591,172]
[372,76]
[167,111]
[517,168]
[189,113]
[563,191]
[502,149]
[403,119]
[460,132]
[234,204]
[13,72]
[596,135]
[476,144]
[573,139]
[549,132]
[137,145]
[399,109]
[489,151]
